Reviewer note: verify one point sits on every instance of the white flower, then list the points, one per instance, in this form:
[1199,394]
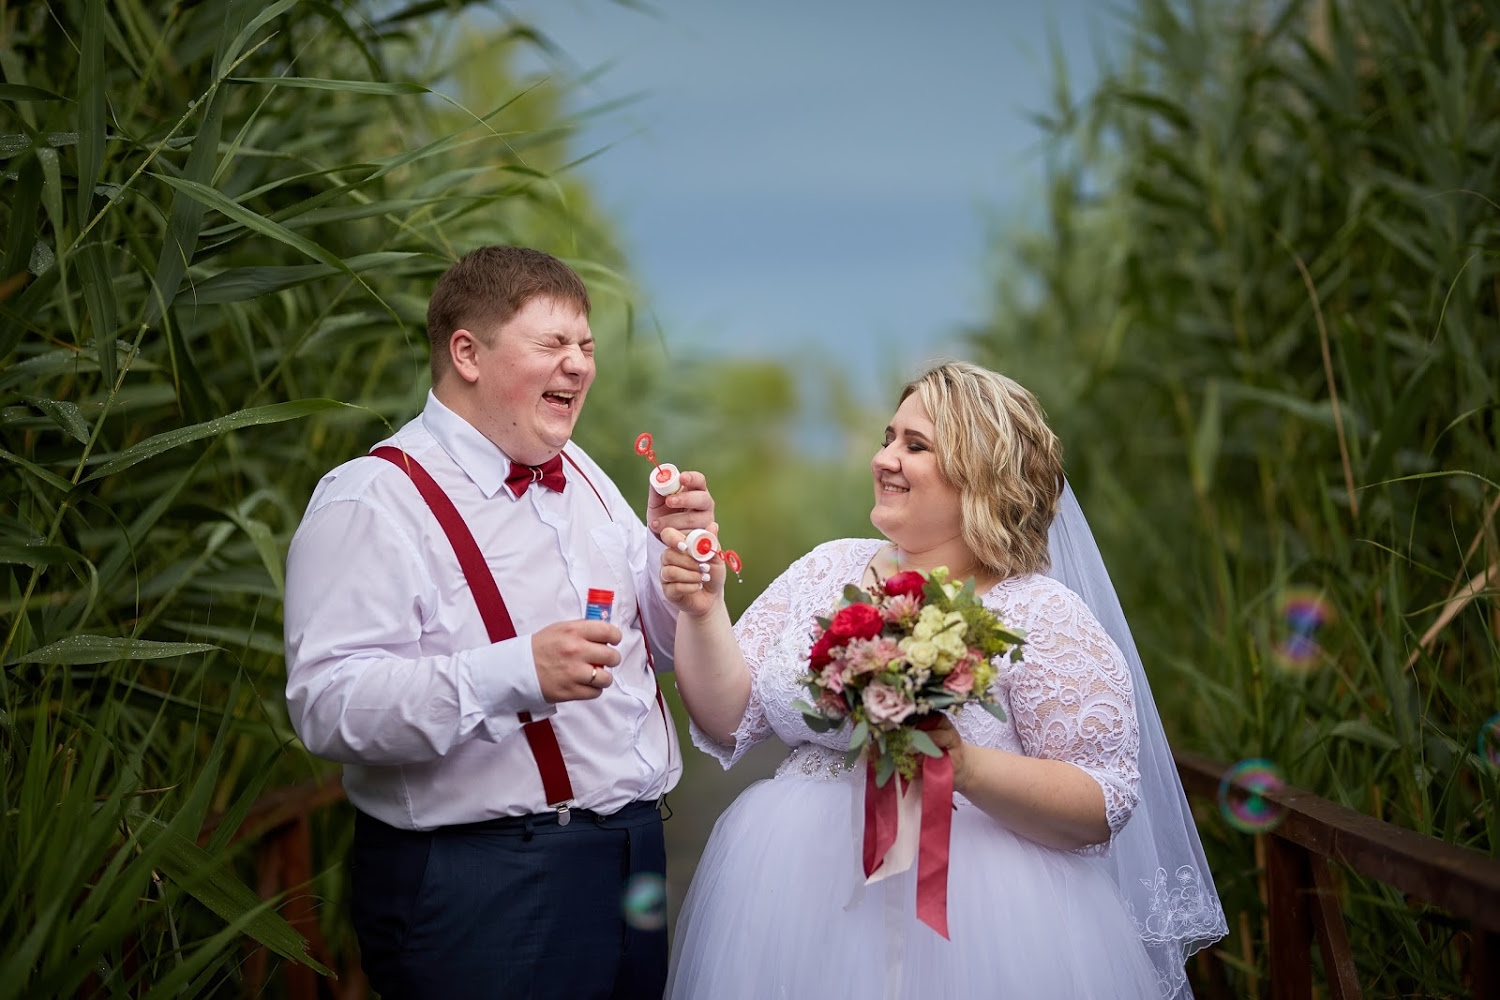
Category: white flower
[921,652]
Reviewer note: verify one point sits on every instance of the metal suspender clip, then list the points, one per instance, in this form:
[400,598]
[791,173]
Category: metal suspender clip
[563,816]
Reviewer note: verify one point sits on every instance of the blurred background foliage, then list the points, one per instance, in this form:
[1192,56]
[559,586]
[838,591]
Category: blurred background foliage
[1261,313]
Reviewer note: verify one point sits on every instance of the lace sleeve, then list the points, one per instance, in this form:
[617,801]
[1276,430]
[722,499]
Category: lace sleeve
[758,631]
[1072,700]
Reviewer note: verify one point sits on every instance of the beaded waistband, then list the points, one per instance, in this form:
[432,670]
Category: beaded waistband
[815,761]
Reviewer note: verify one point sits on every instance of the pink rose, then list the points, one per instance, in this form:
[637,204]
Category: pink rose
[835,675]
[832,706]
[960,679]
[856,621]
[868,656]
[908,584]
[886,704]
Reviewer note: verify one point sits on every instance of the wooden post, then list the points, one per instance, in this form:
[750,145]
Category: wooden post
[1484,961]
[295,845]
[1333,938]
[1287,877]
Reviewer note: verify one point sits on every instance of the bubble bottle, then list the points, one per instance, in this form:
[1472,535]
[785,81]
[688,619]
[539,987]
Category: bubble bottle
[600,606]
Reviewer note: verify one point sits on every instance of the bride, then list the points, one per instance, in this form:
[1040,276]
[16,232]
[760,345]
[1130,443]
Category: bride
[1074,870]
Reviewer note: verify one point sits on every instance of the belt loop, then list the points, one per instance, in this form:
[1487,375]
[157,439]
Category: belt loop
[526,831]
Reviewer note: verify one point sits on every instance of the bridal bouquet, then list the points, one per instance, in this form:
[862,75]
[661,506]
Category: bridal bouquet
[918,644]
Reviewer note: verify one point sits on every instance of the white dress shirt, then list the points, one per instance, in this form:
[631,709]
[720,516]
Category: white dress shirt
[390,670]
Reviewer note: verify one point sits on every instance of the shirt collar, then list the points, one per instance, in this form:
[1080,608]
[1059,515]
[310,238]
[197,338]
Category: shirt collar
[481,459]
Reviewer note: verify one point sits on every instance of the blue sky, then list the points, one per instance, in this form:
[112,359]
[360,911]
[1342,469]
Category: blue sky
[819,179]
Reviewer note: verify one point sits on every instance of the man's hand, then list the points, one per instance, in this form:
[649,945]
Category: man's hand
[690,507]
[573,659]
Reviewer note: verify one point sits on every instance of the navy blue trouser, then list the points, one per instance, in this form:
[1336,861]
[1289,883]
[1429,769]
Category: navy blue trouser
[518,908]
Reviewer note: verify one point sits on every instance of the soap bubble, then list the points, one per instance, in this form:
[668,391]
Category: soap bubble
[1489,741]
[1304,612]
[645,901]
[1242,795]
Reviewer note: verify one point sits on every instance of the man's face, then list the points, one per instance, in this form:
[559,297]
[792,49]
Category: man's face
[532,377]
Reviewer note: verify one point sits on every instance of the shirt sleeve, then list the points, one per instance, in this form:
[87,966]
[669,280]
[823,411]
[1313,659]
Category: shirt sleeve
[1073,701]
[359,688]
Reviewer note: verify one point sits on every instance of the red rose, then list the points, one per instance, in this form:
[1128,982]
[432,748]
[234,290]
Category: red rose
[909,583]
[856,621]
[819,658]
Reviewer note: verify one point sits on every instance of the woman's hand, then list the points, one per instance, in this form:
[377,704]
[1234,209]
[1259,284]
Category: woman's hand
[691,589]
[943,733]
[1052,802]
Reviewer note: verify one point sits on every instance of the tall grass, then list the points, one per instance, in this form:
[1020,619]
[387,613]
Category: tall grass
[221,220]
[1263,314]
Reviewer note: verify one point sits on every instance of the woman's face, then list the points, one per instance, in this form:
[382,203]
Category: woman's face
[915,507]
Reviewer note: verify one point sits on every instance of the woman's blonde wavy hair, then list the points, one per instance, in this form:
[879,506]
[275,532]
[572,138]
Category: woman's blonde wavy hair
[993,444]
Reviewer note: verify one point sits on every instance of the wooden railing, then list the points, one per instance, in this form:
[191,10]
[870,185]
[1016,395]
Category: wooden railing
[1303,901]
[280,826]
[1302,898]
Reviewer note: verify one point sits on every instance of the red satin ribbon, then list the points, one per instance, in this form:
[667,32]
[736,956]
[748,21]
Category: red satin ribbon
[880,819]
[932,851]
[881,805]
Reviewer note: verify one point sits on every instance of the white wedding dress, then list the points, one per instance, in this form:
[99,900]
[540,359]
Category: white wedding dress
[778,909]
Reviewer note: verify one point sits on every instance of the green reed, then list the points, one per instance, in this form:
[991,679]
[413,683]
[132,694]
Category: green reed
[1262,311]
[221,221]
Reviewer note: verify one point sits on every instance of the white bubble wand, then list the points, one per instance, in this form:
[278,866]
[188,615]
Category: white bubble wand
[700,543]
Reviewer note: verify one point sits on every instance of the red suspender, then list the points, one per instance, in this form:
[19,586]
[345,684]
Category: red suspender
[640,622]
[645,639]
[555,784]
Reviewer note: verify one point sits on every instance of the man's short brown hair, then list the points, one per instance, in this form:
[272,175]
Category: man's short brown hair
[489,285]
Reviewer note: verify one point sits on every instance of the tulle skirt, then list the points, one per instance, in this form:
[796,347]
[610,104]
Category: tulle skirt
[777,911]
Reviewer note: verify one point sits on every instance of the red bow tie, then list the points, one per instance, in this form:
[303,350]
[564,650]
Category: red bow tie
[549,474]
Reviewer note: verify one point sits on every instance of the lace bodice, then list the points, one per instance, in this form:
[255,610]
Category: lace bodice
[1069,698]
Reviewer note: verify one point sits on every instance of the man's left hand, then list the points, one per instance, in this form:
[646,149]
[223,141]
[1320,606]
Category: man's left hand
[690,507]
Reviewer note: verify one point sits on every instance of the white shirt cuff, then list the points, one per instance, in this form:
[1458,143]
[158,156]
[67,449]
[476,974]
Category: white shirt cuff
[500,681]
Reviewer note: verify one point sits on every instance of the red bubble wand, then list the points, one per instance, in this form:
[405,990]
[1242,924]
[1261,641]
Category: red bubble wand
[700,543]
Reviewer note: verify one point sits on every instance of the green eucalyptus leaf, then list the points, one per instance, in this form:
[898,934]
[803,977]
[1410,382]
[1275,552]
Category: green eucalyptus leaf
[994,709]
[814,719]
[923,743]
[854,595]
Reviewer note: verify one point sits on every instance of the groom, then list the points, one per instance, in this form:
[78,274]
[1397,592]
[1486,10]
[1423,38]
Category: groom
[505,751]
